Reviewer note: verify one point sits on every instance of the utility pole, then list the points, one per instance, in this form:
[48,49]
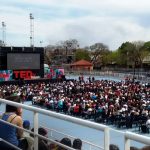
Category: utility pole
[3,33]
[31,30]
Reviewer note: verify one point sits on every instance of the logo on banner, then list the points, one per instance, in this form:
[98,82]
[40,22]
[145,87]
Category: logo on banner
[23,74]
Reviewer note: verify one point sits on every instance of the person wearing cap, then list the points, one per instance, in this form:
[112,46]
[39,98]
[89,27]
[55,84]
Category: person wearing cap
[26,124]
[26,135]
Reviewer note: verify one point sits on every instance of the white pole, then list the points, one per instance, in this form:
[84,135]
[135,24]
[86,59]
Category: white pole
[35,131]
[106,138]
[127,143]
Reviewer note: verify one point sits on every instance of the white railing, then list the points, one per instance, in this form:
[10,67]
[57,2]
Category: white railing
[72,137]
[82,122]
[132,136]
[11,145]
[127,135]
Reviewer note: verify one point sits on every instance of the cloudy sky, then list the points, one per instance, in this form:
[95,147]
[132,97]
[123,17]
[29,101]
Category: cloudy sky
[111,22]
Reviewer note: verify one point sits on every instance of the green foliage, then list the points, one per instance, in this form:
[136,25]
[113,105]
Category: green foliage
[47,59]
[129,54]
[132,54]
[126,53]
[99,54]
[146,46]
[113,57]
[82,54]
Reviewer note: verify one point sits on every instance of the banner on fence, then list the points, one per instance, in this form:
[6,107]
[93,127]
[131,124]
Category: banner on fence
[6,75]
[54,73]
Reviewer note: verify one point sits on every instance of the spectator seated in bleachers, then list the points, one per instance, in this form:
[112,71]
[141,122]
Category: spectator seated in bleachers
[113,147]
[134,148]
[65,141]
[42,145]
[77,144]
[146,148]
[53,146]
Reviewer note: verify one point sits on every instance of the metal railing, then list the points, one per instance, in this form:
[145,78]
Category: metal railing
[132,136]
[71,137]
[11,145]
[127,135]
[79,121]
[139,76]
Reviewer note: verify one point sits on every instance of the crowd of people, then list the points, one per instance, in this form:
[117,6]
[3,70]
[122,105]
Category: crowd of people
[121,103]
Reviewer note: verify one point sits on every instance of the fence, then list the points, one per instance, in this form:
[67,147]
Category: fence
[127,135]
[139,76]
[36,111]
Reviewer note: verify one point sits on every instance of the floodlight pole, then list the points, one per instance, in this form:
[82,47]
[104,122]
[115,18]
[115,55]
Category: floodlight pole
[31,30]
[41,42]
[3,33]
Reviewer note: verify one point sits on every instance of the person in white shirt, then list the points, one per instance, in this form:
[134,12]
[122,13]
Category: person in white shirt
[148,123]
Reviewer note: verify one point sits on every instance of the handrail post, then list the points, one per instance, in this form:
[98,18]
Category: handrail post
[127,143]
[90,147]
[51,133]
[35,131]
[106,138]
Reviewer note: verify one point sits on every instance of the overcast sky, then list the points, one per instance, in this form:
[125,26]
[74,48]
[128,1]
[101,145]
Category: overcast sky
[111,22]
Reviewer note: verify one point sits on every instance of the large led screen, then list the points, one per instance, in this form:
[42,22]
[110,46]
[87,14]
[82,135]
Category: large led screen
[20,61]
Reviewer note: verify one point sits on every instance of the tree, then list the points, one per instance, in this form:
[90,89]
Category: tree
[142,50]
[146,46]
[82,54]
[47,59]
[68,49]
[132,54]
[113,57]
[69,45]
[98,53]
[48,52]
[126,53]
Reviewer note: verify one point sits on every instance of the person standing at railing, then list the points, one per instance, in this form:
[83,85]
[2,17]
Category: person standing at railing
[7,132]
